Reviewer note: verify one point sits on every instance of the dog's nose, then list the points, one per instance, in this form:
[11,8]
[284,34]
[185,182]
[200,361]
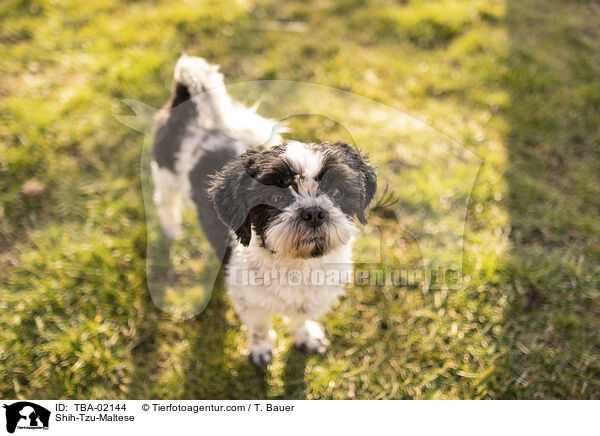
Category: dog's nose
[313,216]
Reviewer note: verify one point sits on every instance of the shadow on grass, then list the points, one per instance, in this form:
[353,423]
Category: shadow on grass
[192,358]
[219,376]
[550,330]
[294,374]
[201,368]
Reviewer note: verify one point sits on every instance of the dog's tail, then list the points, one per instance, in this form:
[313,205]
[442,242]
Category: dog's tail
[194,76]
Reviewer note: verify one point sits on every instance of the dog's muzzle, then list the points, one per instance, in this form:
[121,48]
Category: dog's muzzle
[313,217]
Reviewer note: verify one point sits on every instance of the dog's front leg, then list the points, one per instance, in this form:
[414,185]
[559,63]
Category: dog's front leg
[261,336]
[308,335]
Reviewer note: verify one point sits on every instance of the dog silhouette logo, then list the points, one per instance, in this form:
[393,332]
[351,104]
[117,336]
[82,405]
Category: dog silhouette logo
[26,415]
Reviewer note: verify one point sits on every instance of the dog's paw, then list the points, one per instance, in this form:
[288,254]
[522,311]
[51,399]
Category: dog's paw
[260,359]
[313,345]
[261,345]
[310,338]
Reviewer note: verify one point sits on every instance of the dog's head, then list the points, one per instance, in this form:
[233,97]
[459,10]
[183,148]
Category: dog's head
[300,199]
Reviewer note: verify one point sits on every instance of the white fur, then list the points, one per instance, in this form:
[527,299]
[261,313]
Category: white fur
[304,158]
[294,296]
[298,299]
[307,161]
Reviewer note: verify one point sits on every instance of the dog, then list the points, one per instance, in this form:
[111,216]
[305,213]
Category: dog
[280,214]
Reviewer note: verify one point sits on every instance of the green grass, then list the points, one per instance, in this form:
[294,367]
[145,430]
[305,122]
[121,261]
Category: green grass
[515,82]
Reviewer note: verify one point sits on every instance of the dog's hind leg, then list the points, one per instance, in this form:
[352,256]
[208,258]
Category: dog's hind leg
[168,200]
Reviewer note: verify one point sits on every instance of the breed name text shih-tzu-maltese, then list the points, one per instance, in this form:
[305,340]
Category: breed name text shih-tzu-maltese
[279,213]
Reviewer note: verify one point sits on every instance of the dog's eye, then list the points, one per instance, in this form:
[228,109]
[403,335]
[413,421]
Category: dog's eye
[336,193]
[276,198]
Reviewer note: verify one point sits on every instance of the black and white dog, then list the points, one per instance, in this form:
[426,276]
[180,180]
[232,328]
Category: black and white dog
[281,214]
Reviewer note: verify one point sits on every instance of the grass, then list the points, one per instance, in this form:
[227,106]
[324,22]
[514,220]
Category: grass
[514,82]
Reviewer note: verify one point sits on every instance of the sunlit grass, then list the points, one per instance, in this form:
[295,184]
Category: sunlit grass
[514,83]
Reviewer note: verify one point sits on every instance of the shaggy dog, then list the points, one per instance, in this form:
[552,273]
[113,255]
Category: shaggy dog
[279,213]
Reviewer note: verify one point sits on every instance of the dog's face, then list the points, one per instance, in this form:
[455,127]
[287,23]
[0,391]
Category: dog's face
[300,199]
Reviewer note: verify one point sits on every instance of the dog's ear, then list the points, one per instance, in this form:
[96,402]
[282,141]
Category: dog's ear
[360,162]
[370,181]
[230,192]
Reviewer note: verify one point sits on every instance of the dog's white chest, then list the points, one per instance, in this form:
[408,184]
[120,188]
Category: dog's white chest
[255,277]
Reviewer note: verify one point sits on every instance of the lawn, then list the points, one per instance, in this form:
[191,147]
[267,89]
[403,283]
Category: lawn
[482,114]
